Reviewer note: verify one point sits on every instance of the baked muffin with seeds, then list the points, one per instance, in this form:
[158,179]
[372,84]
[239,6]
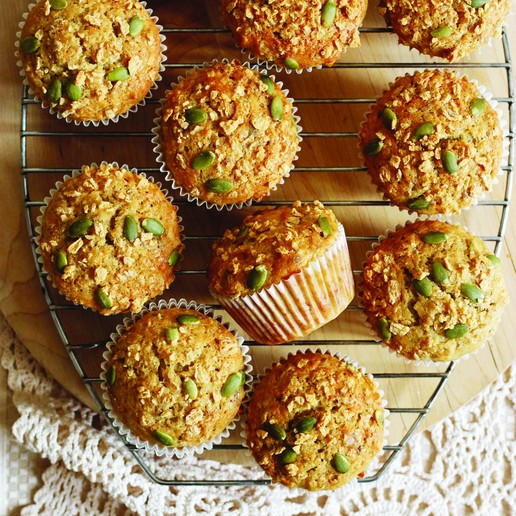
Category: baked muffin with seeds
[295,35]
[227,135]
[432,143]
[284,272]
[109,239]
[432,291]
[449,29]
[314,421]
[175,378]
[90,60]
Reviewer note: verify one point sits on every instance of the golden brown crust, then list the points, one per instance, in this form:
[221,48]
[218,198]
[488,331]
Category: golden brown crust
[83,43]
[419,323]
[149,392]
[283,29]
[130,273]
[463,28]
[349,420]
[252,150]
[406,169]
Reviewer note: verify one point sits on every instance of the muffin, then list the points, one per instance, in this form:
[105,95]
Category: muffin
[432,143]
[174,379]
[315,421]
[432,291]
[90,60]
[450,29]
[226,135]
[295,35]
[109,239]
[284,272]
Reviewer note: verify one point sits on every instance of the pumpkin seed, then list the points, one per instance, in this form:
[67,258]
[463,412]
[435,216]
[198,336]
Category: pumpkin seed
[73,91]
[257,277]
[111,376]
[328,13]
[477,106]
[243,231]
[436,237]
[449,161]
[103,299]
[496,262]
[57,5]
[340,463]
[119,74]
[276,431]
[188,319]
[458,331]
[60,261]
[190,388]
[324,225]
[153,226]
[439,273]
[80,227]
[442,32]
[219,186]
[268,82]
[276,108]
[389,119]
[135,25]
[420,203]
[203,160]
[373,147]
[423,286]
[472,292]
[291,64]
[306,424]
[425,129]
[232,384]
[173,258]
[55,90]
[383,327]
[379,417]
[478,3]
[172,334]
[164,438]
[30,45]
[287,456]
[196,115]
[130,228]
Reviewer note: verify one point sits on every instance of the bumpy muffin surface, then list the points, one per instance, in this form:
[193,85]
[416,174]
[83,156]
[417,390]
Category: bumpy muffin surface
[433,291]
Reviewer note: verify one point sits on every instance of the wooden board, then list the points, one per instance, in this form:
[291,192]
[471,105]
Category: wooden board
[21,299]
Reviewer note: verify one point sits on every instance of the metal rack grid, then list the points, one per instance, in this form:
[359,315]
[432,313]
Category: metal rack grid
[57,309]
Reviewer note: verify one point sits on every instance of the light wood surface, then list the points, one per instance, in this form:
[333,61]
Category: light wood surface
[21,299]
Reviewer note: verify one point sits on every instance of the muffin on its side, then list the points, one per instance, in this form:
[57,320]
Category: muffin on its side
[284,272]
[90,60]
[433,291]
[432,143]
[227,135]
[110,239]
[314,421]
[450,29]
[295,35]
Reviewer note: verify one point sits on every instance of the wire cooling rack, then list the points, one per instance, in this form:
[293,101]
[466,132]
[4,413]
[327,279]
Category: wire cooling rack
[85,333]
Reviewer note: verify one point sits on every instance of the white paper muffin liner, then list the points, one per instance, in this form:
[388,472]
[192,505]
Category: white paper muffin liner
[160,155]
[374,334]
[45,104]
[374,465]
[301,303]
[74,174]
[487,95]
[158,448]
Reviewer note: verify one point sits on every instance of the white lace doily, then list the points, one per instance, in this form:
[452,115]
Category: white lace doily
[463,465]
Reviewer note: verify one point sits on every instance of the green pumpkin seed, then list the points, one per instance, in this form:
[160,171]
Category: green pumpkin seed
[425,129]
[472,292]
[442,32]
[268,82]
[103,299]
[111,376]
[379,417]
[173,258]
[257,277]
[276,431]
[389,119]
[328,13]
[450,164]
[291,64]
[373,147]
[243,231]
[130,228]
[57,5]
[435,238]
[232,384]
[287,456]
[383,327]
[439,273]
[306,425]
[423,286]
[135,25]
[55,90]
[172,334]
[340,463]
[196,115]
[324,225]
[477,106]
[119,74]
[164,438]
[73,91]
[188,319]
[276,108]
[60,261]
[478,3]
[80,227]
[190,388]
[496,262]
[219,186]
[30,45]
[203,160]
[153,226]
[420,203]
[458,331]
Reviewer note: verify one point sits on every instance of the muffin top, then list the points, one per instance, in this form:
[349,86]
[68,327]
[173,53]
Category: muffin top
[433,291]
[449,29]
[270,246]
[296,35]
[228,134]
[314,421]
[176,377]
[432,143]
[110,239]
[91,59]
